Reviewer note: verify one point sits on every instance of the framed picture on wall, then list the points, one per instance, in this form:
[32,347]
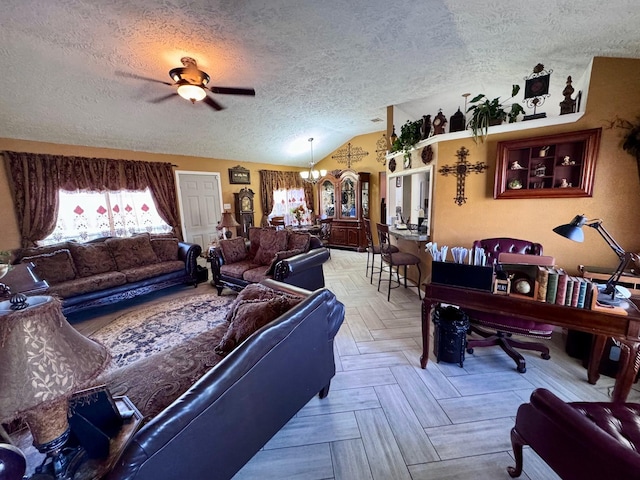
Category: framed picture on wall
[239,175]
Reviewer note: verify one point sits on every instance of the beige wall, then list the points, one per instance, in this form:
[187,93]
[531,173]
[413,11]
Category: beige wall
[10,237]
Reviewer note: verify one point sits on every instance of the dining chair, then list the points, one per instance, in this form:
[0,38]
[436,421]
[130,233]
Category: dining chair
[325,233]
[495,329]
[277,222]
[373,249]
[395,259]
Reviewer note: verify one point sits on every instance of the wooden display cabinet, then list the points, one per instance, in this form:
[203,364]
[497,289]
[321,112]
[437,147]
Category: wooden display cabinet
[553,166]
[344,196]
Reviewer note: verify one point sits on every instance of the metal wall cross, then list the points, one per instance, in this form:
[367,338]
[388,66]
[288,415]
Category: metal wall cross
[461,170]
[348,155]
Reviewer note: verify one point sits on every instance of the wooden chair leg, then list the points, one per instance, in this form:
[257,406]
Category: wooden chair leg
[517,443]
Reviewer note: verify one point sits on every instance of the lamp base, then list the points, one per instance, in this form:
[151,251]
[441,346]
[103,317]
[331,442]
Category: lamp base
[607,298]
[60,465]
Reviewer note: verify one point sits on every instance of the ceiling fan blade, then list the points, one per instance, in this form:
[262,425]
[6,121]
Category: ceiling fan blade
[162,99]
[233,91]
[212,103]
[139,77]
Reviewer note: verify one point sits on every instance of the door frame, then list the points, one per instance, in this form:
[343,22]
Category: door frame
[180,209]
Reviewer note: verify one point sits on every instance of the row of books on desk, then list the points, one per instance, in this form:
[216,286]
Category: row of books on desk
[556,286]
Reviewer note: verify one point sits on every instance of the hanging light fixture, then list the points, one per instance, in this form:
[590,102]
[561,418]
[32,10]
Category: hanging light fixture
[311,175]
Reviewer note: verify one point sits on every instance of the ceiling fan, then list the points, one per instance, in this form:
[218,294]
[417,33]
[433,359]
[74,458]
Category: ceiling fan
[192,84]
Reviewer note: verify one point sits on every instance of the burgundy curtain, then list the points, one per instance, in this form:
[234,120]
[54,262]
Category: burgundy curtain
[36,178]
[271,180]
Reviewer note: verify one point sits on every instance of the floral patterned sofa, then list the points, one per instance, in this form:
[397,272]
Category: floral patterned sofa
[109,269]
[290,257]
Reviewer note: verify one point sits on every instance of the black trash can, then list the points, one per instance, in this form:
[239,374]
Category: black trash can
[450,334]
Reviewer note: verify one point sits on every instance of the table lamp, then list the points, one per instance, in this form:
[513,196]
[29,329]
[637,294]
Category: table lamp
[44,361]
[228,222]
[573,231]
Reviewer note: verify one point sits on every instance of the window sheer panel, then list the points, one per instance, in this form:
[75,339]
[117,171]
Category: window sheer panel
[83,215]
[287,200]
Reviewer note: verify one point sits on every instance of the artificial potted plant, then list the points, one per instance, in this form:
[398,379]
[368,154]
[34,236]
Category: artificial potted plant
[485,112]
[409,136]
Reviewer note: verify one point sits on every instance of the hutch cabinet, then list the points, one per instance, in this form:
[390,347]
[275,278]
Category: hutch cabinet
[244,210]
[553,166]
[343,195]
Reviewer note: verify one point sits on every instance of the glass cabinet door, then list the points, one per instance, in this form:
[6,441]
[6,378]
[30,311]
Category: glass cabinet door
[365,198]
[327,199]
[348,199]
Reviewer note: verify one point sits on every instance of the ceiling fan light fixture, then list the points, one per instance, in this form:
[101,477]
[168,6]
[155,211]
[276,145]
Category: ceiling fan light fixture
[193,93]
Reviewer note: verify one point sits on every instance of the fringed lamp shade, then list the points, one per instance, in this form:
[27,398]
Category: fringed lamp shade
[43,360]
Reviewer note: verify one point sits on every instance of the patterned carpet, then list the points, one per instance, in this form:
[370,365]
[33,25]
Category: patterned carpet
[142,333]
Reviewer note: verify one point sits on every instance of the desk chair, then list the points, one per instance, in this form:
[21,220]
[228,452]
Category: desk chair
[325,233]
[395,259]
[502,327]
[373,250]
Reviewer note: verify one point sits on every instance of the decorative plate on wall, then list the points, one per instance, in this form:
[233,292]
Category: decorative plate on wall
[392,165]
[427,154]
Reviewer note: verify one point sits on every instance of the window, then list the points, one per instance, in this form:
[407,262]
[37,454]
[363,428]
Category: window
[86,215]
[285,201]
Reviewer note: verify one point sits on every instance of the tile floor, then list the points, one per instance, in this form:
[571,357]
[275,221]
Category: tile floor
[386,418]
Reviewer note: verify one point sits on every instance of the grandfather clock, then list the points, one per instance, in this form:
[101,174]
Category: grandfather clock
[244,209]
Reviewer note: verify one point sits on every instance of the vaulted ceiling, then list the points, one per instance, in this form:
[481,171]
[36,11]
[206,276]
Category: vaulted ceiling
[322,69]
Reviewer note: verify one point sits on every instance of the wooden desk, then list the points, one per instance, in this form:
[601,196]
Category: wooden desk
[624,328]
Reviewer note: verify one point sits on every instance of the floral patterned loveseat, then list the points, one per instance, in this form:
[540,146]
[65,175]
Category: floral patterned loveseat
[109,269]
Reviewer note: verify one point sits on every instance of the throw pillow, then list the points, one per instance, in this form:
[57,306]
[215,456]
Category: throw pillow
[132,252]
[249,316]
[281,256]
[56,267]
[254,239]
[257,291]
[299,240]
[92,258]
[271,242]
[166,249]
[233,250]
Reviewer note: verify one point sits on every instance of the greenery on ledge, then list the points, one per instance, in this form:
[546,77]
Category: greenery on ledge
[485,112]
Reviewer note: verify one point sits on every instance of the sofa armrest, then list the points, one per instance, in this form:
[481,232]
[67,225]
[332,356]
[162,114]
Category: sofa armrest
[188,253]
[299,263]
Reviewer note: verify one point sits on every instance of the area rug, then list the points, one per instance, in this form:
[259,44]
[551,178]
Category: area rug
[142,333]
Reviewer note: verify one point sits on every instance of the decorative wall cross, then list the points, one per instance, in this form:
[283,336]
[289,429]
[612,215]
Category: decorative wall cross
[349,155]
[461,170]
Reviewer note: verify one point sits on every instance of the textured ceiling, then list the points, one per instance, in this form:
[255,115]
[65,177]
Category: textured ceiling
[321,69]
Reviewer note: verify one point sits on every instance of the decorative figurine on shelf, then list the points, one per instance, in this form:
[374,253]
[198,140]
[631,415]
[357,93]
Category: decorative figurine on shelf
[566,161]
[516,166]
[544,151]
[456,122]
[425,129]
[568,105]
[564,183]
[540,170]
[515,184]
[438,123]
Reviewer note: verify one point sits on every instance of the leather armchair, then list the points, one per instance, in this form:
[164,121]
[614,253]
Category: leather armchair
[502,327]
[579,440]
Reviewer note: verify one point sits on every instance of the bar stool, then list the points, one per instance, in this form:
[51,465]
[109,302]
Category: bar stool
[395,259]
[373,249]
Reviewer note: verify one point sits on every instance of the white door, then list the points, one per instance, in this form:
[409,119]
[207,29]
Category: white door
[200,201]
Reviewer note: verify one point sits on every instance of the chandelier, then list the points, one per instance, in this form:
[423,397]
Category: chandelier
[311,175]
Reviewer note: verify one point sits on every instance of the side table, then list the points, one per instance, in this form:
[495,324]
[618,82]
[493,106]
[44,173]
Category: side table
[89,469]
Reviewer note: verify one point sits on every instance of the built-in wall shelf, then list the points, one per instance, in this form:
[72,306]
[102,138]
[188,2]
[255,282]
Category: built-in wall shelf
[504,128]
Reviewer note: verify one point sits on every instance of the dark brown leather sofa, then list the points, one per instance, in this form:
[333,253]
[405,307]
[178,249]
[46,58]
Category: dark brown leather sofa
[579,440]
[217,425]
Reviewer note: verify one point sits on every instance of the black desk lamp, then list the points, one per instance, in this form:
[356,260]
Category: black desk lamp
[573,231]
